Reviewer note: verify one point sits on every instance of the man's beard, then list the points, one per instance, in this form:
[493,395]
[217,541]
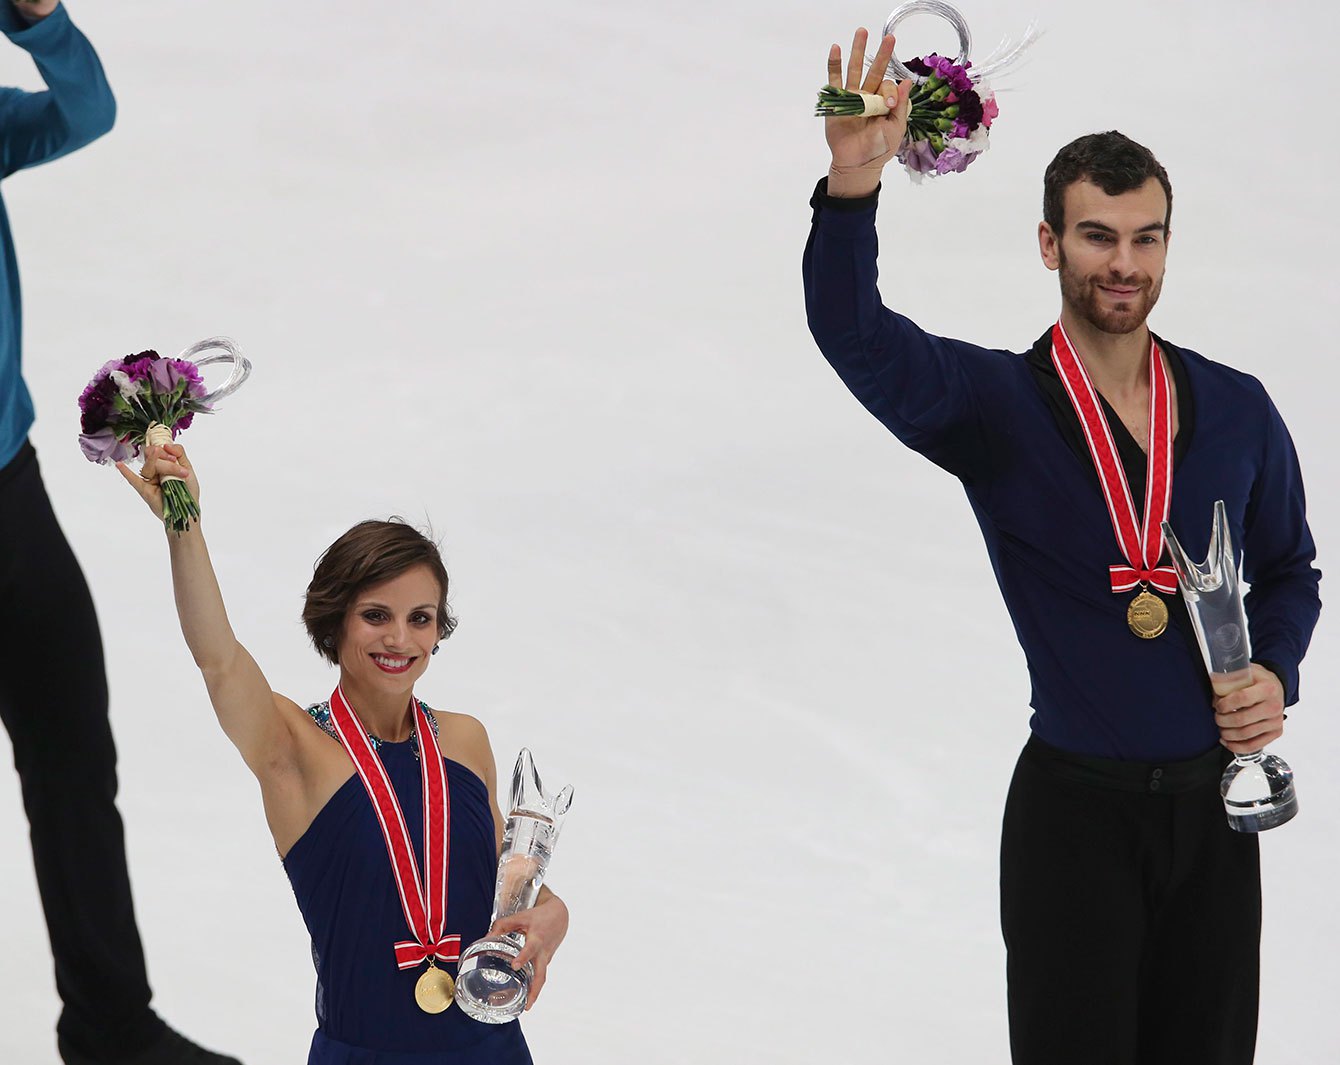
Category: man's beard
[1081,293]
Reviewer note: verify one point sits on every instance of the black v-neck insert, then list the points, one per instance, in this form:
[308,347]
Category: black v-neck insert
[1133,458]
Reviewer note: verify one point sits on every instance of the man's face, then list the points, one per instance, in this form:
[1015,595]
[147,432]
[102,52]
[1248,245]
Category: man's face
[1111,255]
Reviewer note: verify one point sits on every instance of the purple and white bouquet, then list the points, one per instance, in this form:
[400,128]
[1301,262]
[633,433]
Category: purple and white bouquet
[948,121]
[950,118]
[951,106]
[145,399]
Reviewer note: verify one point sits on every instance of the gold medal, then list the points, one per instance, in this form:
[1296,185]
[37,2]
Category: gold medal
[435,990]
[1147,616]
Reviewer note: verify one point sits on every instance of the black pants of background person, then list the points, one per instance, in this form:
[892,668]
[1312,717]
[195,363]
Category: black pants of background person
[53,701]
[1131,913]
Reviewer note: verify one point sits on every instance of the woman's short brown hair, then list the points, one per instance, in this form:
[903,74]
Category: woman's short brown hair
[370,553]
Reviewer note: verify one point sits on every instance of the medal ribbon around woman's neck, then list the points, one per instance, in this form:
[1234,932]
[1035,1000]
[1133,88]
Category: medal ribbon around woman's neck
[1142,544]
[424,900]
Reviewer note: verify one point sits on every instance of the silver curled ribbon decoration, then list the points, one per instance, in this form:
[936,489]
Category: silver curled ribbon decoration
[1005,55]
[224,350]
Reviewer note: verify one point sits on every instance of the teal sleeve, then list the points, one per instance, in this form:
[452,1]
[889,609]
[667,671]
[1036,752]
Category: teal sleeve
[77,106]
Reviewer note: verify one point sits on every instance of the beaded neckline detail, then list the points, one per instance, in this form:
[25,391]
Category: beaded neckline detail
[320,713]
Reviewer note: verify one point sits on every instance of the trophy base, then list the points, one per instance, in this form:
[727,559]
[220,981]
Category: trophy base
[1258,793]
[487,987]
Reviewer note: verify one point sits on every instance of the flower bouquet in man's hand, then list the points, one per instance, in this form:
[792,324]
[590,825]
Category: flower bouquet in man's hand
[948,108]
[948,120]
[145,399]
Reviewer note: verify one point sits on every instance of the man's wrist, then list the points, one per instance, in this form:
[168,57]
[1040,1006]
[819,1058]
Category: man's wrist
[853,183]
[32,13]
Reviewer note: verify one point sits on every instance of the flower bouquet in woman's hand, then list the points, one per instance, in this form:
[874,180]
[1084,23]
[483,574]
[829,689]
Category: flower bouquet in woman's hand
[145,400]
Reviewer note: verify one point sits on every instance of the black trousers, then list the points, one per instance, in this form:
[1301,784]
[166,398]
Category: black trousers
[53,701]
[1131,913]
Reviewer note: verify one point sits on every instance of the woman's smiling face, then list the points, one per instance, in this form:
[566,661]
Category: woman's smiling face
[390,630]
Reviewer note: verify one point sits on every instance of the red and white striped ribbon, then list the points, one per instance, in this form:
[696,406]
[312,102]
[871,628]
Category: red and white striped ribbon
[1141,543]
[423,899]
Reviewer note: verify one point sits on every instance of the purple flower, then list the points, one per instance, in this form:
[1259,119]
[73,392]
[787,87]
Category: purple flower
[95,402]
[103,446]
[944,68]
[185,369]
[918,156]
[951,160]
[139,367]
[969,110]
[161,378]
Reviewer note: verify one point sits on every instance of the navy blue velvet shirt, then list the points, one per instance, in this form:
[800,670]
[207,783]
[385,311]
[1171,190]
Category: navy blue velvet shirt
[999,422]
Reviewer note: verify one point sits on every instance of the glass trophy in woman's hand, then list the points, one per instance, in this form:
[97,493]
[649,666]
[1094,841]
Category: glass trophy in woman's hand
[1258,787]
[487,987]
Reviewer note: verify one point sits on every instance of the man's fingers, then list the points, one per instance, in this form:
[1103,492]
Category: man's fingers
[856,61]
[835,67]
[1251,733]
[875,74]
[1227,704]
[1256,743]
[1247,727]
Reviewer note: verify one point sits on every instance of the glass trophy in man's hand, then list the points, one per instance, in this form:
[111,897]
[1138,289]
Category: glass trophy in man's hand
[487,987]
[1258,787]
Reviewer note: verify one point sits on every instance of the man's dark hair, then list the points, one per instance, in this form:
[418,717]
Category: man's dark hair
[1112,161]
[369,553]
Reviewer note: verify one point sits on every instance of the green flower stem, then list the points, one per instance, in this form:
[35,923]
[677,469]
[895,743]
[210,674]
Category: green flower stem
[179,508]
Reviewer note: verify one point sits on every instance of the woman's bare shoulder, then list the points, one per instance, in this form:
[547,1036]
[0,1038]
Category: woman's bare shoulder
[464,739]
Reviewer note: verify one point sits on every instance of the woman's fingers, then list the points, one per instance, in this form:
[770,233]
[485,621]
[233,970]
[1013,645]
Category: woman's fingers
[530,952]
[537,982]
[136,481]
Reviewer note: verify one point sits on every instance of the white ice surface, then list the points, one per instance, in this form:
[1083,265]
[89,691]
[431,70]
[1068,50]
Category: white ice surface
[532,272]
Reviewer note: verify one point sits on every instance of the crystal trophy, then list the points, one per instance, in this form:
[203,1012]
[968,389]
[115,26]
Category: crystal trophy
[487,987]
[1257,788]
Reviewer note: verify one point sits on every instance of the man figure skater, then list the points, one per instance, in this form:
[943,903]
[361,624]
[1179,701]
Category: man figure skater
[1130,910]
[53,690]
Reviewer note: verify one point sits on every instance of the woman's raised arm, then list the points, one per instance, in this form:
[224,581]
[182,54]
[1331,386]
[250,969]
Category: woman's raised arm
[241,696]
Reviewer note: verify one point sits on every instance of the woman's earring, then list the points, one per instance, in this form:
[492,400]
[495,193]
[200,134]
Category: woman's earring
[435,647]
[327,641]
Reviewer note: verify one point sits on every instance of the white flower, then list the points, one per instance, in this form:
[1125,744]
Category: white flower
[129,389]
[978,141]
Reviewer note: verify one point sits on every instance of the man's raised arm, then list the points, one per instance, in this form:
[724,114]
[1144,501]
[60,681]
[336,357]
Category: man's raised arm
[917,384]
[78,107]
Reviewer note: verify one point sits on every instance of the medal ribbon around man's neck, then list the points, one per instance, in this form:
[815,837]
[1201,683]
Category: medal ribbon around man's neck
[424,900]
[1142,545]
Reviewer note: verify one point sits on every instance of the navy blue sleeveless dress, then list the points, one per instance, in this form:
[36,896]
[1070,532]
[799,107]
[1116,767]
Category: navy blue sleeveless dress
[342,879]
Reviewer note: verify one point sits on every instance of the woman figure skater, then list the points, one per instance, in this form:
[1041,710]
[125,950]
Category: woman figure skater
[377,608]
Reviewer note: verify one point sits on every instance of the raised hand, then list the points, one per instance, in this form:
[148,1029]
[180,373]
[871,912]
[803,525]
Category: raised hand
[169,460]
[35,10]
[861,146]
